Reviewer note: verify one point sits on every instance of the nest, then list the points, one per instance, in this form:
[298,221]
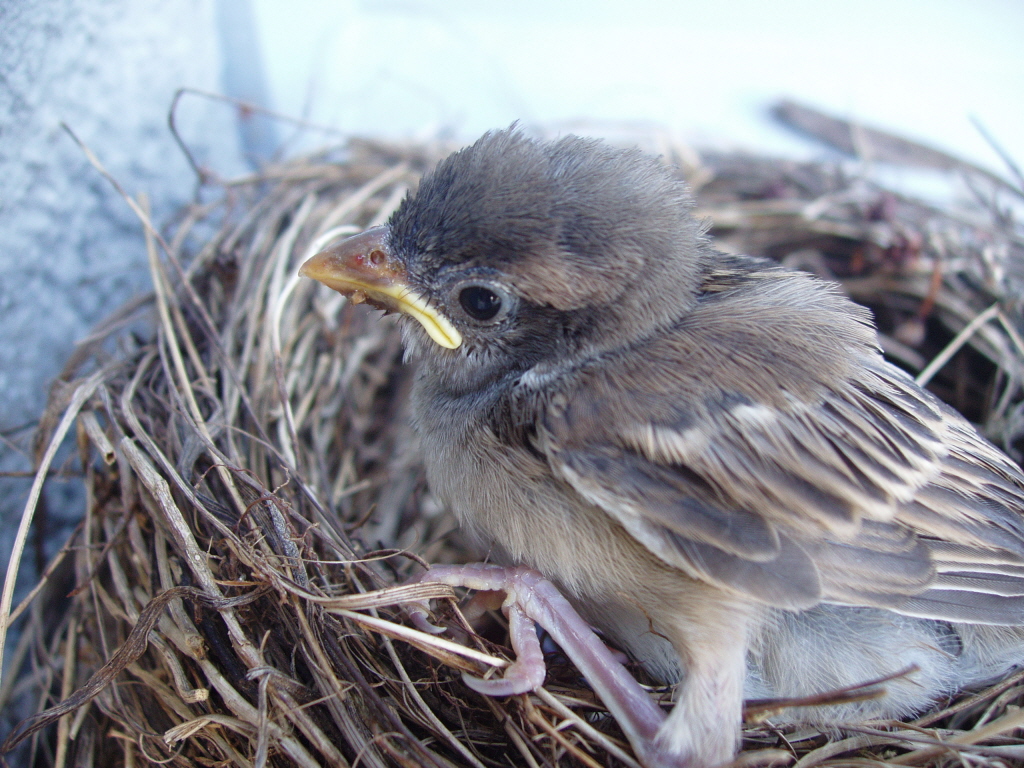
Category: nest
[255,503]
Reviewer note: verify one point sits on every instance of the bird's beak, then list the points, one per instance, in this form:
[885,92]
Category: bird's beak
[363,269]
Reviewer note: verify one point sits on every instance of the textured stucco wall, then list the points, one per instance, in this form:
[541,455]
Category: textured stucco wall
[71,251]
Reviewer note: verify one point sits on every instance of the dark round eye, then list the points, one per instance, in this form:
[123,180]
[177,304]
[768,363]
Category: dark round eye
[480,302]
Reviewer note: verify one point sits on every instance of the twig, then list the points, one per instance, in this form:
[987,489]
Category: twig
[82,393]
[954,346]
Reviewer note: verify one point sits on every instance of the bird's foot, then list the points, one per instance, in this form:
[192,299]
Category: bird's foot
[531,599]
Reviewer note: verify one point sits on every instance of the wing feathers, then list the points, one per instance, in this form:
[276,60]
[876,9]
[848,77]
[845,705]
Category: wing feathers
[874,493]
[668,502]
[983,583]
[973,607]
[789,580]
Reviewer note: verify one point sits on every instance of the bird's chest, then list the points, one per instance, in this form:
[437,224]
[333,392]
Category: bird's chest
[509,495]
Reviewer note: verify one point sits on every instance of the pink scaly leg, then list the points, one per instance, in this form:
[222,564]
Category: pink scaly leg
[531,598]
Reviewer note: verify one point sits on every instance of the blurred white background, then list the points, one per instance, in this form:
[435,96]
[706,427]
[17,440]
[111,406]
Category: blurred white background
[705,70]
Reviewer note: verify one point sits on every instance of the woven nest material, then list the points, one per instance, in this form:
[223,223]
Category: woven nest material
[233,596]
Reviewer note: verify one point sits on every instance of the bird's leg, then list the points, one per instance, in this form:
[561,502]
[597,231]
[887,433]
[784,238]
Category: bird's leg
[710,634]
[705,723]
[532,598]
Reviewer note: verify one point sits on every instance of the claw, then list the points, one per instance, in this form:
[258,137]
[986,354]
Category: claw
[418,614]
[532,598]
[527,672]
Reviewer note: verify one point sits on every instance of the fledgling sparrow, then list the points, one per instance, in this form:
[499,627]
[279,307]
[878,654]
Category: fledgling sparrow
[705,453]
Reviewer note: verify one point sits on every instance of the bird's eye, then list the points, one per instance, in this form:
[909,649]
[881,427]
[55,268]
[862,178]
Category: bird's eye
[480,302]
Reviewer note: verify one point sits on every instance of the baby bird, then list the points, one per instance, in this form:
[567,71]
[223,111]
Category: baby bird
[705,454]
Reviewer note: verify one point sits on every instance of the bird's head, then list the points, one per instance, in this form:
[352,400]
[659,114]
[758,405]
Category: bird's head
[514,252]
